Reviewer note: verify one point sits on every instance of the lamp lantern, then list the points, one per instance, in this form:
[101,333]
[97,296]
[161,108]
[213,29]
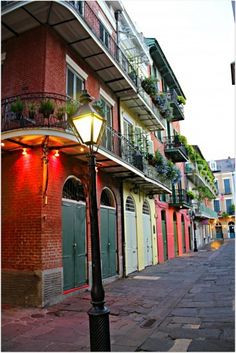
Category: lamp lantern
[86,123]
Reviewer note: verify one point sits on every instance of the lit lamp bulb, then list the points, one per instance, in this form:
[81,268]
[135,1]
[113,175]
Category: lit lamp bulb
[57,154]
[24,152]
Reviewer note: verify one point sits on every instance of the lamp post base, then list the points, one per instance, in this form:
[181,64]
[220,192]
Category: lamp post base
[99,329]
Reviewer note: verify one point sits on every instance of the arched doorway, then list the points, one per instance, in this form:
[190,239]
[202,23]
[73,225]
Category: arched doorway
[108,234]
[131,236]
[231,229]
[219,233]
[147,234]
[164,234]
[183,234]
[74,235]
[175,234]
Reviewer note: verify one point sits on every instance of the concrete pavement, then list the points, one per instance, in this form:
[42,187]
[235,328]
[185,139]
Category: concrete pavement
[185,304]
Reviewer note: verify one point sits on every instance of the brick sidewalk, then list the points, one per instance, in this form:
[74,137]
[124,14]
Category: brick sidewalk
[185,304]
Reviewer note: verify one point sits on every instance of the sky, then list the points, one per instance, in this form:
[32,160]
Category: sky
[198,40]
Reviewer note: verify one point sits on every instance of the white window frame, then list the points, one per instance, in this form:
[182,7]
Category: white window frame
[76,67]
[106,96]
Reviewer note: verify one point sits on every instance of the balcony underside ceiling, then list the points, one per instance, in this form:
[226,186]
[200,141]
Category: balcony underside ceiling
[68,145]
[76,33]
[176,154]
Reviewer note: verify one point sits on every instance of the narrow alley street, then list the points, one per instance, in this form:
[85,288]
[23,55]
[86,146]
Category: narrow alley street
[183,305]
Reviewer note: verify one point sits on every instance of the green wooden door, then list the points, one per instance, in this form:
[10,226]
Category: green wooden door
[164,236]
[74,244]
[108,241]
[176,238]
[183,237]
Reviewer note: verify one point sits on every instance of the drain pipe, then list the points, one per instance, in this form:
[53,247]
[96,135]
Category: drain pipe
[122,203]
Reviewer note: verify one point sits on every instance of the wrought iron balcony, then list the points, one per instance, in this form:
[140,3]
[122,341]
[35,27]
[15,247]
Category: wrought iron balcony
[193,173]
[32,116]
[174,149]
[178,109]
[121,147]
[85,11]
[180,199]
[202,211]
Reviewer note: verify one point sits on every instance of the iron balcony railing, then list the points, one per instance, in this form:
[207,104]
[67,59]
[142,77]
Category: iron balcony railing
[120,146]
[31,115]
[203,211]
[87,14]
[180,198]
[175,149]
[193,172]
[174,142]
[178,109]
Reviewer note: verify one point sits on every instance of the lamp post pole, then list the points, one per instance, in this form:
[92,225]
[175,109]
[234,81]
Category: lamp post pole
[98,314]
[88,127]
[195,249]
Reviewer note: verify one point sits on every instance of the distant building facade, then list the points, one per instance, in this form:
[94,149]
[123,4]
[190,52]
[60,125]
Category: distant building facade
[224,204]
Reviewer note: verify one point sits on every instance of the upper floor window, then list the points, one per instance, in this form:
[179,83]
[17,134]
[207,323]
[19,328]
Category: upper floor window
[128,130]
[216,185]
[216,205]
[74,84]
[79,5]
[227,189]
[107,113]
[213,165]
[104,35]
[228,206]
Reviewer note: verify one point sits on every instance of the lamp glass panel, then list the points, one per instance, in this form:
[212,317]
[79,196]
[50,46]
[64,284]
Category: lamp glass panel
[83,126]
[97,125]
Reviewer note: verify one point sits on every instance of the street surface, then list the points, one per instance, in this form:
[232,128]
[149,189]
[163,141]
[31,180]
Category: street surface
[184,305]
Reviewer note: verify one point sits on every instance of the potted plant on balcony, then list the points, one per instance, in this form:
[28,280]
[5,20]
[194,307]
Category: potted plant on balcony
[46,108]
[181,100]
[149,84]
[17,107]
[150,158]
[191,194]
[31,110]
[60,114]
[71,107]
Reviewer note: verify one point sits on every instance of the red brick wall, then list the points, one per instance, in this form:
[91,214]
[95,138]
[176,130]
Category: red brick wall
[23,68]
[21,211]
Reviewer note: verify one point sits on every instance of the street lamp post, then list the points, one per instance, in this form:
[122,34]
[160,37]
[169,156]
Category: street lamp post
[195,249]
[88,126]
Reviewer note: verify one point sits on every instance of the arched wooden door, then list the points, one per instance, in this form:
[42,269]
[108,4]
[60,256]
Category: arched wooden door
[231,230]
[147,234]
[108,234]
[74,248]
[175,234]
[183,234]
[164,234]
[131,236]
[219,232]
